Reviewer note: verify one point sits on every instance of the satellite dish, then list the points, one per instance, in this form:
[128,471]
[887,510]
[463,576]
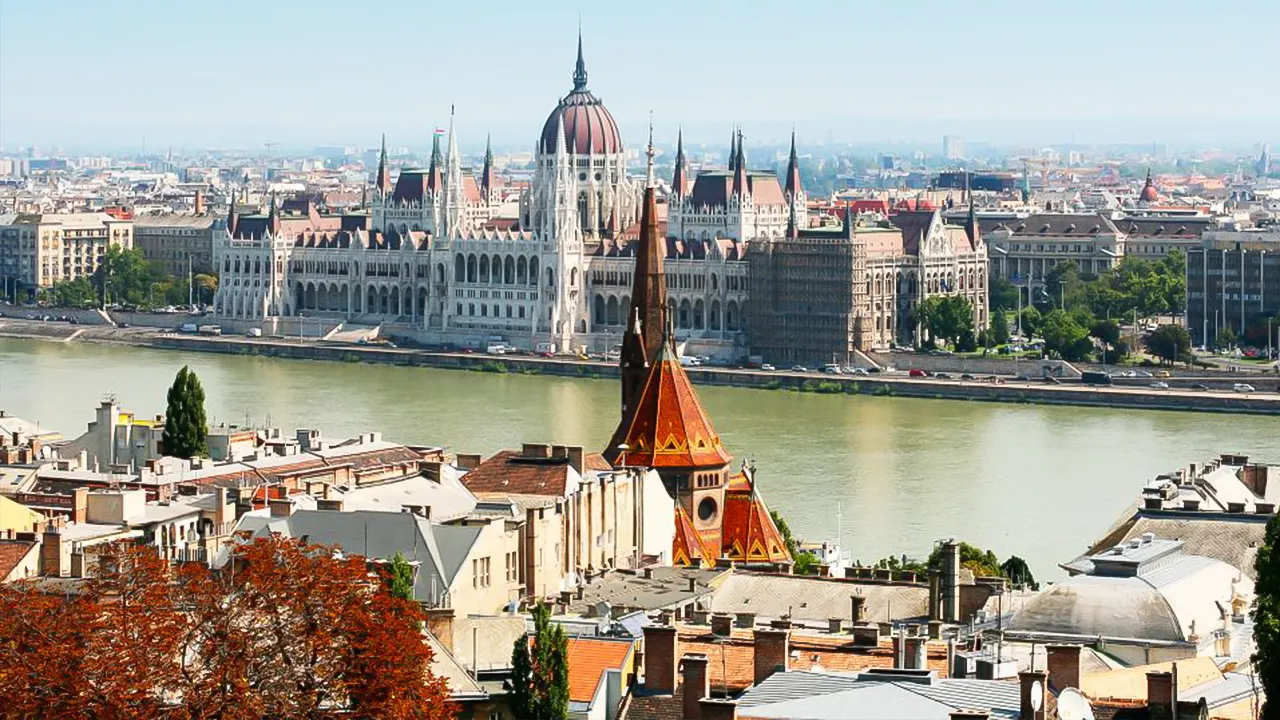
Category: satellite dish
[1037,695]
[1073,706]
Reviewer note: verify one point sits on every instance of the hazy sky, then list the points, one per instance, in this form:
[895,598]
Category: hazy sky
[81,73]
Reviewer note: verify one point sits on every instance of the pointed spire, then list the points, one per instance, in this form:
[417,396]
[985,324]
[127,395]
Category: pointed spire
[680,178]
[733,148]
[580,70]
[649,153]
[434,171]
[793,170]
[273,218]
[486,175]
[232,216]
[971,223]
[384,173]
[740,170]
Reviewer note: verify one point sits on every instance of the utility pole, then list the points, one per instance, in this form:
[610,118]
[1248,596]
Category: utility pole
[1019,316]
[191,304]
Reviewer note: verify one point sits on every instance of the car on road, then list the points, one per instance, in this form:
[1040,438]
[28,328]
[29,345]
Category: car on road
[942,375]
[967,376]
[1021,378]
[1243,388]
[1163,374]
[831,369]
[799,368]
[767,367]
[1144,374]
[859,371]
[1199,386]
[1160,385]
[917,372]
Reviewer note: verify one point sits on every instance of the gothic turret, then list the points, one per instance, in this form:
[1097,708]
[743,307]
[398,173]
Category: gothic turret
[740,187]
[793,171]
[680,179]
[232,216]
[971,222]
[273,218]
[486,175]
[733,149]
[435,181]
[384,172]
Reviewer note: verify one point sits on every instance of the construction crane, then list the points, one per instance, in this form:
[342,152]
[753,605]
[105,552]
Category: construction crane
[1044,168]
[271,146]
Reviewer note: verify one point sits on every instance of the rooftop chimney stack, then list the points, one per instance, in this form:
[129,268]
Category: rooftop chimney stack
[697,684]
[660,658]
[1064,666]
[1161,690]
[772,652]
[1033,695]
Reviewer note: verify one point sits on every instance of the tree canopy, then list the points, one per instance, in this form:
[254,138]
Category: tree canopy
[1064,336]
[946,317]
[540,671]
[1266,618]
[294,631]
[1169,343]
[185,425]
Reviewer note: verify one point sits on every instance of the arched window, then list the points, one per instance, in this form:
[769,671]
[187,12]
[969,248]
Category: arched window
[611,312]
[699,312]
[440,270]
[573,277]
[533,271]
[509,270]
[714,321]
[731,316]
[484,268]
[522,270]
[684,320]
[598,316]
[459,268]
[471,268]
[551,278]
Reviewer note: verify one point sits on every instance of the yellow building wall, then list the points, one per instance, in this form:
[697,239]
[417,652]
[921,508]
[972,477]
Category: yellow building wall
[15,517]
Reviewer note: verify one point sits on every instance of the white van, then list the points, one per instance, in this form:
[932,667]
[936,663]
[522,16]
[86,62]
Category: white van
[690,361]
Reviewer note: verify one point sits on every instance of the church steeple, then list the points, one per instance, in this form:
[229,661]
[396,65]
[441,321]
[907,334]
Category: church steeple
[971,222]
[232,215]
[680,179]
[740,170]
[793,170]
[434,172]
[580,70]
[643,337]
[273,217]
[733,148]
[486,175]
[384,172]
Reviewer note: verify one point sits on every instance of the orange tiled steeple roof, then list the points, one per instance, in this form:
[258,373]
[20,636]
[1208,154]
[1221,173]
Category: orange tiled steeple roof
[669,428]
[747,532]
[687,547]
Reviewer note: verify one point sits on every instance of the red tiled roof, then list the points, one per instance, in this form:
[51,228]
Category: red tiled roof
[508,472]
[734,658]
[687,547]
[669,428]
[747,530]
[12,552]
[588,659]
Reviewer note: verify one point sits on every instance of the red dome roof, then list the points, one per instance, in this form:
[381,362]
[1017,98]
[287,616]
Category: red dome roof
[589,129]
[1149,192]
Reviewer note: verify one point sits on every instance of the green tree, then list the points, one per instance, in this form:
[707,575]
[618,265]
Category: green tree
[206,286]
[1064,336]
[540,671]
[1226,339]
[999,327]
[1266,619]
[185,425]
[1018,572]
[946,317]
[1031,321]
[400,573]
[78,293]
[125,276]
[1001,294]
[804,561]
[1169,343]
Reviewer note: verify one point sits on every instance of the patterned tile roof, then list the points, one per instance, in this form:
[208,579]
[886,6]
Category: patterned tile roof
[687,547]
[508,472]
[747,531]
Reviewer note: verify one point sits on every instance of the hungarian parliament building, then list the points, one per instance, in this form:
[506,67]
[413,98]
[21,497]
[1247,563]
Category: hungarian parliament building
[432,259]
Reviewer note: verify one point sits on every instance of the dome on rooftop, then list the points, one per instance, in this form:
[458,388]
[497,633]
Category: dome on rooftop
[589,128]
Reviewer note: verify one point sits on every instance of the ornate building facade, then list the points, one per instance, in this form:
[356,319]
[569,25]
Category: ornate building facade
[431,260]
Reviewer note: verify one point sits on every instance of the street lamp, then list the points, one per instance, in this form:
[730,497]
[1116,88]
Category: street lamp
[622,456]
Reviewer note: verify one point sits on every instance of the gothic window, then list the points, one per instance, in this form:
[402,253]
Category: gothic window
[598,313]
[573,277]
[471,268]
[440,270]
[484,268]
[582,210]
[522,270]
[533,271]
[509,270]
[551,278]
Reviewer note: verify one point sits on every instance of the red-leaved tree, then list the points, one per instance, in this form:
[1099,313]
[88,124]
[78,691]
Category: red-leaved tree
[288,630]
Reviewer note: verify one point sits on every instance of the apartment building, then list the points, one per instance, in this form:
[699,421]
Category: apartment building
[38,250]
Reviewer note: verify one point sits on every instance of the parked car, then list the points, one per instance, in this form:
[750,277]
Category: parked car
[859,371]
[1160,385]
[1199,386]
[831,369]
[799,368]
[1144,374]
[967,376]
[917,372]
[1163,374]
[942,375]
[1021,378]
[767,367]
[1243,388]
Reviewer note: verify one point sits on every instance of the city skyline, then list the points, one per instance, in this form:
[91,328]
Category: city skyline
[503,69]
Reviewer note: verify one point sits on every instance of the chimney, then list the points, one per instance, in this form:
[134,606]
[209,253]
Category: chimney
[858,608]
[334,504]
[467,462]
[660,659]
[280,507]
[911,650]
[577,458]
[693,584]
[835,625]
[79,504]
[866,635]
[697,684]
[1064,666]
[440,624]
[745,620]
[772,651]
[199,203]
[718,709]
[51,550]
[721,624]
[935,629]
[1033,694]
[1160,692]
[540,451]
[221,498]
[949,582]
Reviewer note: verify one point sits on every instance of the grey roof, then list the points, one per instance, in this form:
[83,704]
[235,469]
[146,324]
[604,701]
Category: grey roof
[1231,538]
[814,599]
[1083,225]
[819,696]
[485,641]
[626,590]
[447,497]
[440,550]
[1169,601]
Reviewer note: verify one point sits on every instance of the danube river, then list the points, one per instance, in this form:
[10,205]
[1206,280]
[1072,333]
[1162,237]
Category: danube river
[890,475]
